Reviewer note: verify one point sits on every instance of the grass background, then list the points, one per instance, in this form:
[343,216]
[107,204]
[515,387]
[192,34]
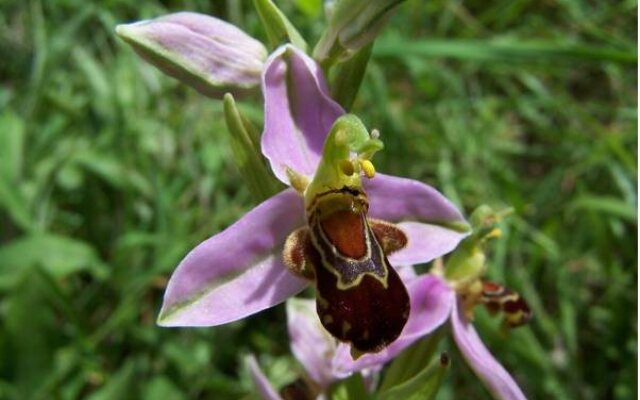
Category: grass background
[111,172]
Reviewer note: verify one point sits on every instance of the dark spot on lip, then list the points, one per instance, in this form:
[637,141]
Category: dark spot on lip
[351,191]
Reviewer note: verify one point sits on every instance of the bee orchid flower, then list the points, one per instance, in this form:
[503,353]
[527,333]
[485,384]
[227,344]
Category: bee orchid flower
[241,270]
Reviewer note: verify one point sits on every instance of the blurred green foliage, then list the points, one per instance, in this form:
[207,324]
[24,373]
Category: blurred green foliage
[111,172]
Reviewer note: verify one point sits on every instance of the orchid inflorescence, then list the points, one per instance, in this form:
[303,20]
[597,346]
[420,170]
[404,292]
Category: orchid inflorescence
[345,229]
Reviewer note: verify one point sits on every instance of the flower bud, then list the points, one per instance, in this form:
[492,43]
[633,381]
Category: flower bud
[208,54]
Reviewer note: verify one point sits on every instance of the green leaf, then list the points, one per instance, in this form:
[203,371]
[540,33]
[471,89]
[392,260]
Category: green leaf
[606,204]
[411,361]
[118,386]
[350,388]
[12,137]
[12,140]
[16,205]
[279,29]
[423,386]
[30,328]
[161,387]
[348,77]
[113,171]
[311,8]
[505,51]
[58,255]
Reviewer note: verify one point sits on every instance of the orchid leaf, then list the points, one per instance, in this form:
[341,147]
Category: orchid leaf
[410,361]
[424,385]
[350,388]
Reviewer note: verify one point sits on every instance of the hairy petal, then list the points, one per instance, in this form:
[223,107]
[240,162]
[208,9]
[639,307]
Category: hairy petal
[432,223]
[311,344]
[264,387]
[486,367]
[298,112]
[237,272]
[431,302]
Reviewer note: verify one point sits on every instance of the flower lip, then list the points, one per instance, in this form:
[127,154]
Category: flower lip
[431,302]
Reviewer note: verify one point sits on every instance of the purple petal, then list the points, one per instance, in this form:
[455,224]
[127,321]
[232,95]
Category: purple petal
[486,367]
[311,344]
[206,53]
[298,112]
[265,389]
[237,272]
[431,302]
[433,224]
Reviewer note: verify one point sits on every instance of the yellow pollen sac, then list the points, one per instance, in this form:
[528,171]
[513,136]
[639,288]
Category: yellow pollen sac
[495,233]
[346,167]
[368,168]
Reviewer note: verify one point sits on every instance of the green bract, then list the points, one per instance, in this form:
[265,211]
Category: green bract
[352,25]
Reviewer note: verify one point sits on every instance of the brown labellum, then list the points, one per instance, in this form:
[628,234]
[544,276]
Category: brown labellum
[360,297]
